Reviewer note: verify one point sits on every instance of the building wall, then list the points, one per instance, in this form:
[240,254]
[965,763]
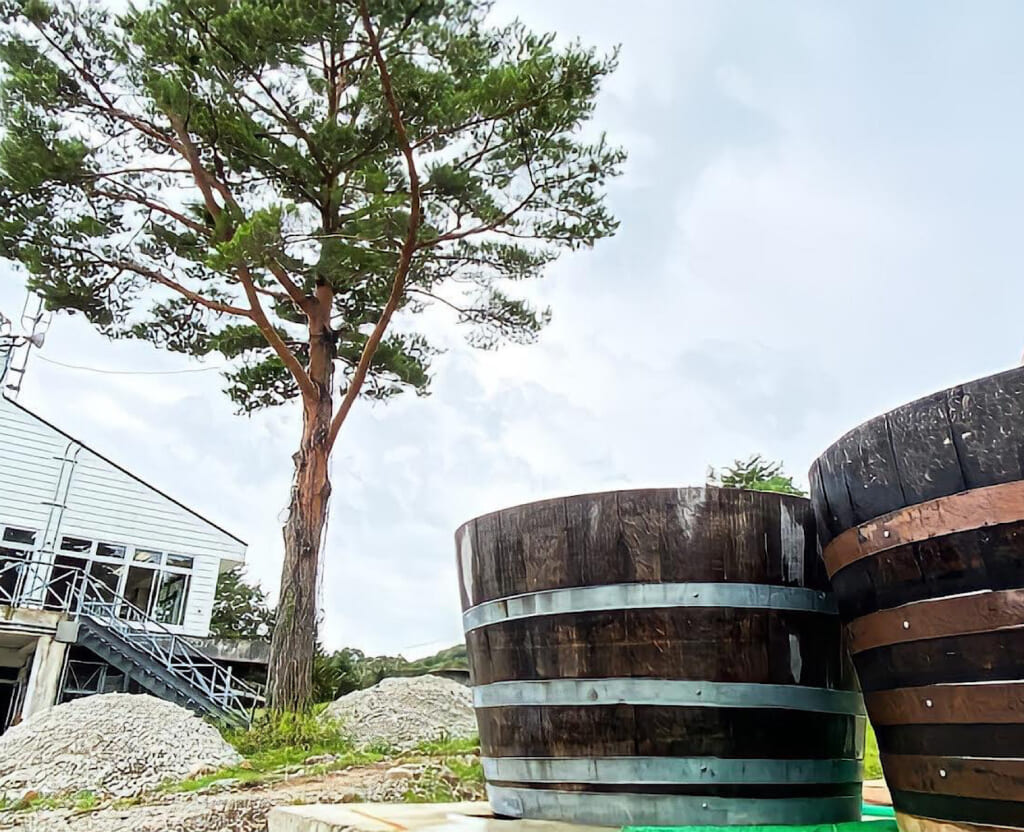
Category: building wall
[51,484]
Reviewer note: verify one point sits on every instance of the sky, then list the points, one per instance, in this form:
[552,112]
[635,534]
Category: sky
[820,219]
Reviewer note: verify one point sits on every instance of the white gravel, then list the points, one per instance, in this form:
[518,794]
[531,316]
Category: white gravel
[404,712]
[117,744]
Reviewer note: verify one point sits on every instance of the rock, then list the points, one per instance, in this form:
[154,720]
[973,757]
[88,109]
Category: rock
[112,744]
[319,760]
[403,712]
[403,772]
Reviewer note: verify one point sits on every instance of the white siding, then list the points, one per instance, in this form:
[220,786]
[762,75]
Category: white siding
[96,500]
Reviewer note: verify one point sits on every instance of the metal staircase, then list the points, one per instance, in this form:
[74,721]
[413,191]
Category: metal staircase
[126,637]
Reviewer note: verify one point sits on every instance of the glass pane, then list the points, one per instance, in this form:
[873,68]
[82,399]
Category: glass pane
[11,561]
[107,580]
[138,590]
[65,582]
[181,561]
[170,600]
[110,550]
[75,544]
[20,536]
[147,556]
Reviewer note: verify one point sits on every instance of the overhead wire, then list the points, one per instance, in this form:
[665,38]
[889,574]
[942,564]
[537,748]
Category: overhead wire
[103,371]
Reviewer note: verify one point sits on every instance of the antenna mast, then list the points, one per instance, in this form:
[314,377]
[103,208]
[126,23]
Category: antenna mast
[35,321]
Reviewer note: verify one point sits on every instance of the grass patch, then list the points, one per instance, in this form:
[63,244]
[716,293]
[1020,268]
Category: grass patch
[872,766]
[446,746]
[279,742]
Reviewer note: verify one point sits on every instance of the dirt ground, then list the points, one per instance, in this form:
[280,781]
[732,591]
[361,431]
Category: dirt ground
[244,810]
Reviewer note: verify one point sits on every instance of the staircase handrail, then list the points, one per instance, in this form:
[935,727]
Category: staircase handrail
[170,649]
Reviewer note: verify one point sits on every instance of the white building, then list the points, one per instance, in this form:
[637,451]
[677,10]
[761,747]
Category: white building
[101,575]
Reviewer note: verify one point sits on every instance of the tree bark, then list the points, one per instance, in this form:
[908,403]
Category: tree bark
[292,647]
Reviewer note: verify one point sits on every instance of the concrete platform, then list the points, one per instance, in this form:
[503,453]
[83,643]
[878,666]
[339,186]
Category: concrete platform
[405,817]
[410,817]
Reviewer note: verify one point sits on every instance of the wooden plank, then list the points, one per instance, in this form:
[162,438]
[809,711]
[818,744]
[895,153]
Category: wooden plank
[833,481]
[654,731]
[819,502]
[925,455]
[978,657]
[965,562]
[937,618]
[987,421]
[948,704]
[665,643]
[872,479]
[982,507]
[536,533]
[594,538]
[1001,779]
[485,580]
[643,523]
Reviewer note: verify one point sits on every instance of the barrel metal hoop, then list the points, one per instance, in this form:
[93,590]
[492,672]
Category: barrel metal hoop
[949,704]
[979,777]
[992,505]
[666,692]
[648,595]
[618,809]
[669,770]
[957,615]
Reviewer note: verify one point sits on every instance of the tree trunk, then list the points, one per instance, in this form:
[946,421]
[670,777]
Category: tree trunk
[290,674]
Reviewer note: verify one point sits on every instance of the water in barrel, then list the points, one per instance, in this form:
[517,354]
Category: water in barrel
[660,657]
[921,518]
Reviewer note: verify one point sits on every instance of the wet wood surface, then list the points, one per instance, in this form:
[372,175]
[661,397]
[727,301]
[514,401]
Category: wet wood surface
[657,731]
[921,515]
[949,704]
[660,536]
[937,618]
[989,506]
[1001,779]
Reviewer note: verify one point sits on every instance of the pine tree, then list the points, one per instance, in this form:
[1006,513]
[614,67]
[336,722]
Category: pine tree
[291,184]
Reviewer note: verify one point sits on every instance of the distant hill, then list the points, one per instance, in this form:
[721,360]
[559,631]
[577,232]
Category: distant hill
[452,658]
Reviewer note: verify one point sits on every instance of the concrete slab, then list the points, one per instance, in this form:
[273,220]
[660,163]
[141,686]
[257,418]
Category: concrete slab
[412,817]
[406,817]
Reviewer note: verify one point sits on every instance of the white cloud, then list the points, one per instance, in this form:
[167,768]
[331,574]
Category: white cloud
[810,234]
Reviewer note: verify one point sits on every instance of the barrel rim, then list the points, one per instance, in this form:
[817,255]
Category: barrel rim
[918,400]
[654,489]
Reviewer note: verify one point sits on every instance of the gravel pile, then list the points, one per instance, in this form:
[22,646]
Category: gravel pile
[404,712]
[117,744]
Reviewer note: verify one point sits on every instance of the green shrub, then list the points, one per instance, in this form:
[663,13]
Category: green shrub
[272,731]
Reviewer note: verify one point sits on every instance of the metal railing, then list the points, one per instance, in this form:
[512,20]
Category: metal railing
[45,585]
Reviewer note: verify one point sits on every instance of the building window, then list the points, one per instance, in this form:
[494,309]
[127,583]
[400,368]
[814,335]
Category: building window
[21,536]
[153,583]
[171,597]
[111,550]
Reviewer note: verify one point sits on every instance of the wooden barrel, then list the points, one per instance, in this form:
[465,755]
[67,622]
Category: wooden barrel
[659,657]
[921,518]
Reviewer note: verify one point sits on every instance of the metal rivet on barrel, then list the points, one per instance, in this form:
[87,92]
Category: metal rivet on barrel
[942,772]
[704,805]
[928,703]
[906,625]
[885,533]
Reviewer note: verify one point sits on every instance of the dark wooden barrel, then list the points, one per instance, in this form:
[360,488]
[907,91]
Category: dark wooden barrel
[659,657]
[921,518]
